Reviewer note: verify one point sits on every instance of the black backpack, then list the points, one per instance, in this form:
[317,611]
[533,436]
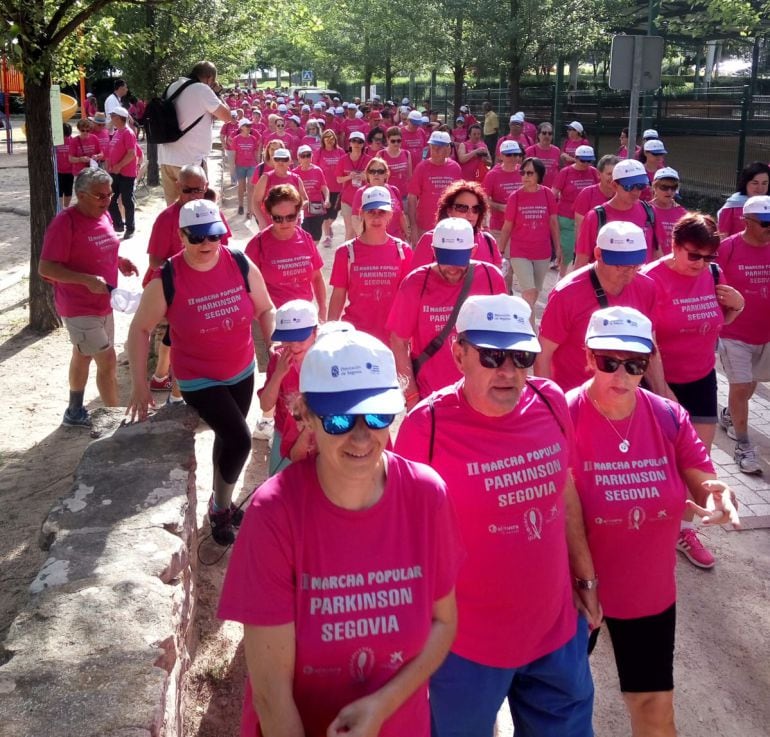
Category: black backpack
[167,275]
[160,121]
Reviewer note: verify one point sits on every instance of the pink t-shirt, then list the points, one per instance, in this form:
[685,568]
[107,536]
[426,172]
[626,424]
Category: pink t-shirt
[567,313]
[227,132]
[123,141]
[399,169]
[570,182]
[633,502]
[314,180]
[589,198]
[469,168]
[521,139]
[422,307]
[500,185]
[747,269]
[371,281]
[394,226]
[586,238]
[459,134]
[688,318]
[506,478]
[87,245]
[288,392]
[428,183]
[731,221]
[287,266]
[570,146]
[485,250]
[530,213]
[210,321]
[414,142]
[665,220]
[246,149]
[63,165]
[347,166]
[550,157]
[328,161]
[88,145]
[361,612]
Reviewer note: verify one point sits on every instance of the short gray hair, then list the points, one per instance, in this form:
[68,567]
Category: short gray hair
[192,170]
[607,160]
[88,177]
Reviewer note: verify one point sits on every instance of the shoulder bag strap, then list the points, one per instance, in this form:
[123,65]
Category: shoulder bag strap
[601,295]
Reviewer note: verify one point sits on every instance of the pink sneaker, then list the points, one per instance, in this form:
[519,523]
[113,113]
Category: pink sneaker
[694,550]
[160,385]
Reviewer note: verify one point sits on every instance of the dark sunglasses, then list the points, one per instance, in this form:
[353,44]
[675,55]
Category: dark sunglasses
[708,258]
[305,156]
[512,154]
[376,171]
[357,141]
[341,424]
[284,218]
[377,139]
[193,190]
[528,172]
[493,358]
[546,133]
[761,223]
[394,140]
[196,240]
[668,187]
[633,366]
[632,187]
[475,209]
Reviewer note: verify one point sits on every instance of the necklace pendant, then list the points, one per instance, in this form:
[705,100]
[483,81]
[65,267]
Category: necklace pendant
[624,446]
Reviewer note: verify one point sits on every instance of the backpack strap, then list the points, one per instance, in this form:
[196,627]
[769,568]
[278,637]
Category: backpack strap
[490,243]
[432,442]
[243,265]
[547,404]
[601,295]
[182,87]
[167,278]
[650,211]
[601,216]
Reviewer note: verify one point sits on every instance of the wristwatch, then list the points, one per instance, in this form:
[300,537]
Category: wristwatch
[586,583]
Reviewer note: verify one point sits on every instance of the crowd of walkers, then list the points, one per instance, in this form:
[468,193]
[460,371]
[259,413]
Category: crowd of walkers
[406,575]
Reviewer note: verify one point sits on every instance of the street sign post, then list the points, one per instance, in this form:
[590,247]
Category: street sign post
[635,64]
[307,76]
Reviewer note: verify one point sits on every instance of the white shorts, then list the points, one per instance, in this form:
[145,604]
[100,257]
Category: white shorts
[744,363]
[530,274]
[91,334]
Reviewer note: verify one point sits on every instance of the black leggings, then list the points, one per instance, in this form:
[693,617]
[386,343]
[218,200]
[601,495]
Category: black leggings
[224,409]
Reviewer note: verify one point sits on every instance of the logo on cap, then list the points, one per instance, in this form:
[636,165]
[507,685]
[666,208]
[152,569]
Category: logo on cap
[335,370]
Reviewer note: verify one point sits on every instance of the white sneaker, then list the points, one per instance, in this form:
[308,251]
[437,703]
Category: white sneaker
[746,458]
[264,429]
[726,423]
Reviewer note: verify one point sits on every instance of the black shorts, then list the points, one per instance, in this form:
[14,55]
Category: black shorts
[312,224]
[644,650]
[65,184]
[335,200]
[699,398]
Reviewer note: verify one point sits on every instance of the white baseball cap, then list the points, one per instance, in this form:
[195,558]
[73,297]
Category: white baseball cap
[359,114]
[439,138]
[304,149]
[585,153]
[666,172]
[282,108]
[350,373]
[655,146]
[244,121]
[622,244]
[498,321]
[376,198]
[405,101]
[295,321]
[357,135]
[575,125]
[339,110]
[201,217]
[759,206]
[415,116]
[510,147]
[281,154]
[306,108]
[334,326]
[120,111]
[453,241]
[649,134]
[464,109]
[517,118]
[630,171]
[619,329]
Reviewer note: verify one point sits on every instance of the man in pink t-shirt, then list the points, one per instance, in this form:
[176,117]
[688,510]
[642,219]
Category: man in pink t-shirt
[504,444]
[744,344]
[122,165]
[414,137]
[612,280]
[430,178]
[80,257]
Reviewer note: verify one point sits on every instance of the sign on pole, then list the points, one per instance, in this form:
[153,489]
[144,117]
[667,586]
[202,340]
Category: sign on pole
[56,122]
[635,64]
[307,75]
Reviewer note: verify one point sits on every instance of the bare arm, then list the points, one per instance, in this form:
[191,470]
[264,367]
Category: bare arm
[544,358]
[264,309]
[656,378]
[505,237]
[270,657]
[272,389]
[257,198]
[400,348]
[464,156]
[223,113]
[553,224]
[411,210]
[319,291]
[337,302]
[55,271]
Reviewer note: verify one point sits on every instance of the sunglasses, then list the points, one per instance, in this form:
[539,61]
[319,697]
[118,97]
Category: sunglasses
[632,187]
[761,223]
[376,172]
[281,160]
[394,140]
[475,209]
[494,358]
[196,240]
[546,133]
[305,156]
[708,258]
[193,190]
[284,218]
[99,196]
[509,155]
[341,424]
[668,187]
[528,172]
[633,366]
[357,141]
[378,140]
[280,125]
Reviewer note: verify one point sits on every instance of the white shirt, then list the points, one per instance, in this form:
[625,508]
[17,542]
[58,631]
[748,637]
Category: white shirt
[194,146]
[110,104]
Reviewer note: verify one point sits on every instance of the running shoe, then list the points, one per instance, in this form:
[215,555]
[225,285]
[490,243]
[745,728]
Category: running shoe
[746,458]
[240,210]
[79,418]
[327,242]
[236,515]
[162,384]
[264,429]
[726,423]
[221,524]
[693,549]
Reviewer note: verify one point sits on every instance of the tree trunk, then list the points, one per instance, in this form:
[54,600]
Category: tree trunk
[388,76]
[368,71]
[514,62]
[42,196]
[458,68]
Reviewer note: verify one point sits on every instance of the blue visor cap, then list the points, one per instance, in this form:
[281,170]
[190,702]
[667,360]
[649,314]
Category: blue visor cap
[638,179]
[506,341]
[623,258]
[451,257]
[297,335]
[357,402]
[215,228]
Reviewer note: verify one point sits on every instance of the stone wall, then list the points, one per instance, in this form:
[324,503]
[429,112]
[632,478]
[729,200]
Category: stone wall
[105,638]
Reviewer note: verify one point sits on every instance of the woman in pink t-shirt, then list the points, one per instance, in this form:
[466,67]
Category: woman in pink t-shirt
[350,174]
[473,156]
[575,137]
[341,634]
[753,181]
[327,157]
[639,456]
[279,175]
[668,211]
[84,147]
[377,174]
[545,150]
[398,160]
[531,231]
[367,270]
[691,306]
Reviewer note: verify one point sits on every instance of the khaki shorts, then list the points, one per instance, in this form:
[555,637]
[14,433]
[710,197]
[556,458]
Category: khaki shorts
[744,363]
[91,334]
[530,274]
